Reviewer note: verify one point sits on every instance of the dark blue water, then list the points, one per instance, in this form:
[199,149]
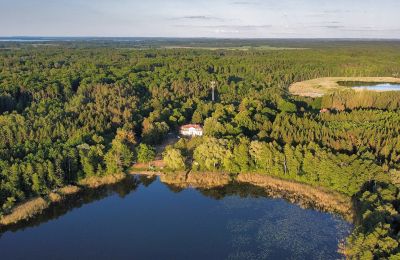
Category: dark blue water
[146,219]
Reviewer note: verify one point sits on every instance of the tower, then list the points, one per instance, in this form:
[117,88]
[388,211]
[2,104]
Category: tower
[213,90]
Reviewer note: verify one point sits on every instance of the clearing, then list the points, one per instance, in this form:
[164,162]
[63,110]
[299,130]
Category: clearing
[321,86]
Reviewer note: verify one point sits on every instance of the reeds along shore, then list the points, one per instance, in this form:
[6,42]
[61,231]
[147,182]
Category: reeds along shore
[299,193]
[302,194]
[36,206]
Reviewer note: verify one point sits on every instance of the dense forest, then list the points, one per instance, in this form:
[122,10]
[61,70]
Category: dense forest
[75,110]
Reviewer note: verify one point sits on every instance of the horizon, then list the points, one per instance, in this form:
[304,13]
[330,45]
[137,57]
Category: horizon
[194,38]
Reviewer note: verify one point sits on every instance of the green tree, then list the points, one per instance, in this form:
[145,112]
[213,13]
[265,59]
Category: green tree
[174,159]
[240,161]
[212,154]
[118,158]
[145,153]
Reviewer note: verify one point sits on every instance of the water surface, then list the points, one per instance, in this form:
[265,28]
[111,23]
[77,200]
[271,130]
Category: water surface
[143,218]
[371,85]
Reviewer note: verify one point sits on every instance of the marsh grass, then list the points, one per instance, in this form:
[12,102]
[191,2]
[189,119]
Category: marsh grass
[68,190]
[208,179]
[55,197]
[98,181]
[25,210]
[36,206]
[184,179]
[302,194]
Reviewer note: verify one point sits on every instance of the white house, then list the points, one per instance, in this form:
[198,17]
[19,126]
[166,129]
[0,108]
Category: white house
[191,130]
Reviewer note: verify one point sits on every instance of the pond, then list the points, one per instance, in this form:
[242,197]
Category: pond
[371,85]
[142,218]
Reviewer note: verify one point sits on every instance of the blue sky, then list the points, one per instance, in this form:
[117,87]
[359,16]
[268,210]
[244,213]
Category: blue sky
[202,18]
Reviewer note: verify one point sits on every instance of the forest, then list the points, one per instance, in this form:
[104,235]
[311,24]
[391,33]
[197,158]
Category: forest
[75,110]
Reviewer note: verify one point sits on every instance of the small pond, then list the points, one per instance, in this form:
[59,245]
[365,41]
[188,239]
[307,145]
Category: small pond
[371,85]
[143,218]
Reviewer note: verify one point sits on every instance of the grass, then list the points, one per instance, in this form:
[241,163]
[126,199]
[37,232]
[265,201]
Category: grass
[35,206]
[303,194]
[321,86]
[206,180]
[185,179]
[55,197]
[68,190]
[98,181]
[298,193]
[25,210]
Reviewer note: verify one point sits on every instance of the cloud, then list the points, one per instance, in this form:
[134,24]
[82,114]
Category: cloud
[329,12]
[245,3]
[197,17]
[335,11]
[228,27]
[331,26]
[337,25]
[372,29]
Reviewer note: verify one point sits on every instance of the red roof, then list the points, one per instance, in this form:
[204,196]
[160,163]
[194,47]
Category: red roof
[191,125]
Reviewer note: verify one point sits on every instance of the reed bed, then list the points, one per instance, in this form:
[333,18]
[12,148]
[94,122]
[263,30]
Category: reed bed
[98,181]
[25,210]
[303,194]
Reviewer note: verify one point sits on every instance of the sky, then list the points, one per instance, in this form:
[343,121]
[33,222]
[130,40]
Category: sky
[202,18]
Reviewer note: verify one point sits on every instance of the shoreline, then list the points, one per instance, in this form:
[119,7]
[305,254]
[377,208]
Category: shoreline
[37,205]
[304,195]
[318,87]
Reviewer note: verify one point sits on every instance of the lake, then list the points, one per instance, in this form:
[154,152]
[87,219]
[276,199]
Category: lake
[371,85]
[143,218]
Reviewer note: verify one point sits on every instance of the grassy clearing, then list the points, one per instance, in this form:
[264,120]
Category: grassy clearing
[321,86]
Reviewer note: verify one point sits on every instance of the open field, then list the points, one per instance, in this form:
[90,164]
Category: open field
[321,86]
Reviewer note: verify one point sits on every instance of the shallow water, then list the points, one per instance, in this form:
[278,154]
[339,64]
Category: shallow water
[381,87]
[373,86]
[143,218]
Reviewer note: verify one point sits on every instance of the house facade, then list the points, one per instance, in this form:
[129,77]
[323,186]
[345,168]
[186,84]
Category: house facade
[191,130]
